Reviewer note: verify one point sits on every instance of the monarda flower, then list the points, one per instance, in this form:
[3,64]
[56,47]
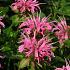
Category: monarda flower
[25,5]
[61,30]
[43,49]
[30,45]
[40,25]
[39,49]
[64,68]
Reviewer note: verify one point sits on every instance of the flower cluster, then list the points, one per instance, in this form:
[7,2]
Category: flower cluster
[40,25]
[1,23]
[64,68]
[61,30]
[30,44]
[23,5]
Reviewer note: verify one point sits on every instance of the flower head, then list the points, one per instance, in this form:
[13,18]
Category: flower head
[40,25]
[43,49]
[64,68]
[38,49]
[30,44]
[61,31]
[23,5]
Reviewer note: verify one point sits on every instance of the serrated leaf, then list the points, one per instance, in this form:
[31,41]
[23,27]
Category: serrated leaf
[24,63]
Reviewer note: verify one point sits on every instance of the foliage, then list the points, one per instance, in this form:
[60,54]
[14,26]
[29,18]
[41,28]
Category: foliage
[10,58]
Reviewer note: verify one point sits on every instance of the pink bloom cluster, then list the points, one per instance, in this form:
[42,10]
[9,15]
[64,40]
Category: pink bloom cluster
[40,25]
[61,31]
[64,68]
[30,45]
[40,48]
[23,5]
[1,23]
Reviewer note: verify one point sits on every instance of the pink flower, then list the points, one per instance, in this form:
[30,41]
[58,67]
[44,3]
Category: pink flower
[23,5]
[61,31]
[38,49]
[26,47]
[64,68]
[40,25]
[43,49]
[32,46]
[1,23]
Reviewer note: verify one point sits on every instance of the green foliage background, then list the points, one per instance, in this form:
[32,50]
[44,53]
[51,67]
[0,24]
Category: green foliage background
[9,36]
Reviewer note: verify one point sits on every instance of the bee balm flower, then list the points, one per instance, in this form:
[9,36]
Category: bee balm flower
[38,49]
[61,31]
[40,25]
[30,44]
[64,68]
[23,5]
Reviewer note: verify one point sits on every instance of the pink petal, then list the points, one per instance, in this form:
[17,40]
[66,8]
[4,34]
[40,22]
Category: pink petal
[21,48]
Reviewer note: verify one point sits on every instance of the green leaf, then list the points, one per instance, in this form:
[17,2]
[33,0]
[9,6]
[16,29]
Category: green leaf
[4,49]
[15,20]
[63,3]
[20,57]
[3,10]
[57,61]
[66,10]
[8,32]
[57,58]
[24,63]
[67,43]
[42,15]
